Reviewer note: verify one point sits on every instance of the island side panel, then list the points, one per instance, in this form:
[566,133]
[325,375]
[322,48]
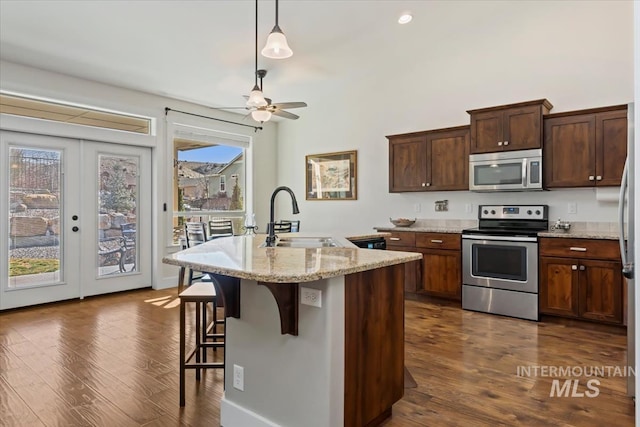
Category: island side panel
[288,380]
[374,344]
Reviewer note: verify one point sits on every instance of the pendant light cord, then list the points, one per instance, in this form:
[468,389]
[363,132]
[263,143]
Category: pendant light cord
[276,13]
[255,72]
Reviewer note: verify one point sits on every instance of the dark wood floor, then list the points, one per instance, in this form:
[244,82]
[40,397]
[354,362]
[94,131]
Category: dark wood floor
[112,361]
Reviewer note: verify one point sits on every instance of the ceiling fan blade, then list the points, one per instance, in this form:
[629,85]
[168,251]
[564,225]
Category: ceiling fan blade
[285,114]
[283,105]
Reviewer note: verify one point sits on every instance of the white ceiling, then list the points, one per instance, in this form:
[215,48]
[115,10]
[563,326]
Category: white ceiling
[203,51]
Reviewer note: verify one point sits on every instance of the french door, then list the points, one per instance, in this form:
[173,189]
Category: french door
[76,216]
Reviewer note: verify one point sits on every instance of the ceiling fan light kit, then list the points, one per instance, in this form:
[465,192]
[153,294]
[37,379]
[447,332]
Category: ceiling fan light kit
[261,115]
[256,98]
[277,46]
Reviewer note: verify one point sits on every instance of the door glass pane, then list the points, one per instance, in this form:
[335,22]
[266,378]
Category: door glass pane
[34,217]
[117,219]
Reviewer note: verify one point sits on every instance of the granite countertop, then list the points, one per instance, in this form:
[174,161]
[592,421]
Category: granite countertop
[242,257]
[581,234]
[587,230]
[434,226]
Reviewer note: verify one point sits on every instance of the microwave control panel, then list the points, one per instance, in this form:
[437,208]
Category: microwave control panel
[513,212]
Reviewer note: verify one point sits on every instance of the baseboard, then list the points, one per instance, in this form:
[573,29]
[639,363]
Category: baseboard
[166,282]
[232,415]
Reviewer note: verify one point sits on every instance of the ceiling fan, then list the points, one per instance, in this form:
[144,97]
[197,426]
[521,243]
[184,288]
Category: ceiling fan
[277,109]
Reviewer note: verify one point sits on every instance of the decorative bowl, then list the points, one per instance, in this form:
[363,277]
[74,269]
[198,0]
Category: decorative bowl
[402,222]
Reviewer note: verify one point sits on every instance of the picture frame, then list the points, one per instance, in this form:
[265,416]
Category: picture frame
[331,176]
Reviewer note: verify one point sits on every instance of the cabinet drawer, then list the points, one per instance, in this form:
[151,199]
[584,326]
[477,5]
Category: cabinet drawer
[580,248]
[438,240]
[401,239]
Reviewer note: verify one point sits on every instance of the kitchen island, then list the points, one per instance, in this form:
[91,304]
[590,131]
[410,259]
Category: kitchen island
[338,364]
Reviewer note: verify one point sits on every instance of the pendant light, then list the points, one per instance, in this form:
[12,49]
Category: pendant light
[256,98]
[277,47]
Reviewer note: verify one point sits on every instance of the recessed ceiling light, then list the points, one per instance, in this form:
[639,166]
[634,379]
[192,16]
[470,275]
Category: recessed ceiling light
[405,18]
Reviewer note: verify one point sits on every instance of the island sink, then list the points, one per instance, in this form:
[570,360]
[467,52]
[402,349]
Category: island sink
[306,242]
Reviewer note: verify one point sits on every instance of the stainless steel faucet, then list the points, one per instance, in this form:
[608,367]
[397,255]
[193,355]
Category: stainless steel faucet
[271,237]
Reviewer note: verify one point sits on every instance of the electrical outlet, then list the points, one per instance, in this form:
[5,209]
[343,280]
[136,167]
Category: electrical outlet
[572,208]
[468,207]
[310,296]
[238,377]
[417,207]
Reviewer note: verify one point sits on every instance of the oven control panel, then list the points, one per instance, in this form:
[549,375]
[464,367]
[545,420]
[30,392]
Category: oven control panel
[513,212]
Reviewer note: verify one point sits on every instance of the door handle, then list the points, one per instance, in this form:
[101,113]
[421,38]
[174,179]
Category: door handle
[591,177]
[394,238]
[436,241]
[75,229]
[599,178]
[506,143]
[576,249]
[500,143]
[582,268]
[574,267]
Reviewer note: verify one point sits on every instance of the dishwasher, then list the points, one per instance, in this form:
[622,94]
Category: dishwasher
[370,243]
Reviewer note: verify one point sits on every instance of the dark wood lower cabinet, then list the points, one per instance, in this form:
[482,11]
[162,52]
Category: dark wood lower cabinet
[374,345]
[582,288]
[441,273]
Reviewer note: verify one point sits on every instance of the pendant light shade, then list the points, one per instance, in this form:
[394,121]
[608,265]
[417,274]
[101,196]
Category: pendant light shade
[261,115]
[277,46]
[256,98]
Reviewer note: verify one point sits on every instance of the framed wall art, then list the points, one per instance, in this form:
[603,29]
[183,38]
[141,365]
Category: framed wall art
[331,176]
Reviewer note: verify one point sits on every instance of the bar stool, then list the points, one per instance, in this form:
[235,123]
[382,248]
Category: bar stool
[200,293]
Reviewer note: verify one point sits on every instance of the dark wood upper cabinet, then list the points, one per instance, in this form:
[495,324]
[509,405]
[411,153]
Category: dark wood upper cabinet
[585,148]
[429,161]
[508,127]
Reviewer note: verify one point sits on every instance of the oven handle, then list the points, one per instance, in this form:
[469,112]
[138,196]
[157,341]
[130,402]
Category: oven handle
[500,238]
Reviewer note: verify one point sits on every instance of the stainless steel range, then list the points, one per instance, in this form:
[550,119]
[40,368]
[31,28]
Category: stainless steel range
[500,260]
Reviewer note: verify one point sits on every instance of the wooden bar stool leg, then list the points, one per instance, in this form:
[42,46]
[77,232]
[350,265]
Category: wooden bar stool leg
[203,330]
[198,342]
[182,351]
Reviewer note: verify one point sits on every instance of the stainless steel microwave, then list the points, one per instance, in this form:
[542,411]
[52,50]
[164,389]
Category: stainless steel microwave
[506,171]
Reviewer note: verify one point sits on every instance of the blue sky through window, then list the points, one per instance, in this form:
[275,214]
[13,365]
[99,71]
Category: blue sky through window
[213,154]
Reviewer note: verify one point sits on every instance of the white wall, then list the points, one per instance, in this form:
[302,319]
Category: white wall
[576,54]
[31,81]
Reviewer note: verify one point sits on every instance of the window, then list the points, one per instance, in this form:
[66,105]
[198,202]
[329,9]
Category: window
[201,166]
[59,111]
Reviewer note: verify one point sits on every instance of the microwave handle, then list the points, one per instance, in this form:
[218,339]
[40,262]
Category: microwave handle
[525,166]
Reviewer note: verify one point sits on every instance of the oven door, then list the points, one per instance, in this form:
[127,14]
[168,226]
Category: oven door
[501,262]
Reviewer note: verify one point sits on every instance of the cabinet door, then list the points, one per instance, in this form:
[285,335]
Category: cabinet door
[441,273]
[407,164]
[558,292]
[601,291]
[611,147]
[522,128]
[486,131]
[569,151]
[448,160]
[411,269]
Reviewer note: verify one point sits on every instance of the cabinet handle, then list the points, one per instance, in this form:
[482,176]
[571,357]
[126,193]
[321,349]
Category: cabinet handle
[576,249]
[598,178]
[500,143]
[506,143]
[436,241]
[574,267]
[428,184]
[582,268]
[394,238]
[591,177]
[423,184]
